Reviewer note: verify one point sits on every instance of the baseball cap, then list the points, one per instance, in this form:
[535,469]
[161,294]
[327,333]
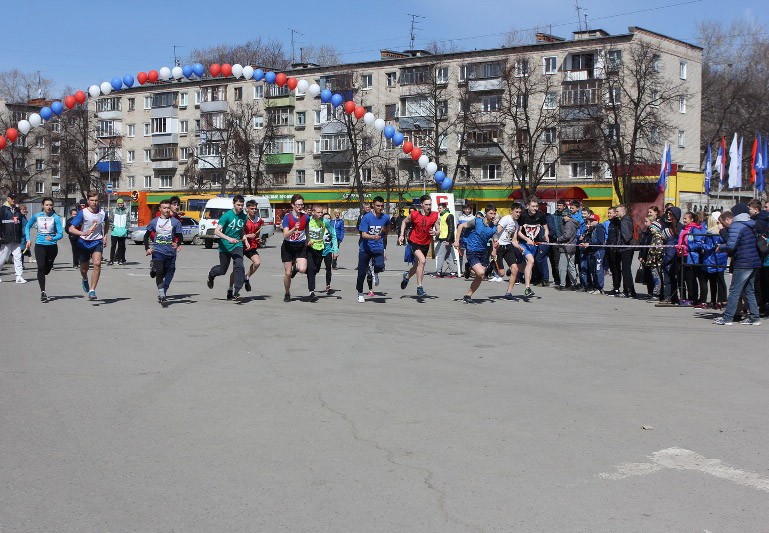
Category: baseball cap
[120,201]
[566,213]
[12,195]
[596,218]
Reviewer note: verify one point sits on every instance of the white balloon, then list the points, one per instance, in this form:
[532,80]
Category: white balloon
[106,88]
[94,91]
[248,72]
[164,73]
[237,70]
[24,126]
[35,120]
[177,73]
[301,86]
[379,124]
[314,90]
[369,118]
[423,161]
[431,167]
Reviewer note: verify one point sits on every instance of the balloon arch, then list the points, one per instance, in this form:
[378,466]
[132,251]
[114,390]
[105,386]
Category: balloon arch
[237,71]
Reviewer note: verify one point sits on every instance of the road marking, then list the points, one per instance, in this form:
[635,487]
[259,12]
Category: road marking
[681,459]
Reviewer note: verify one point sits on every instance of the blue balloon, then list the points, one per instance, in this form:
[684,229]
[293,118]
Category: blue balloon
[258,74]
[57,108]
[269,77]
[187,71]
[389,132]
[397,138]
[116,83]
[128,80]
[446,185]
[325,96]
[198,69]
[440,176]
[46,113]
[337,100]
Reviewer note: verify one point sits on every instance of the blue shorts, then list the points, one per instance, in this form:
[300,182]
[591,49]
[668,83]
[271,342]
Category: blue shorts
[86,249]
[475,258]
[529,249]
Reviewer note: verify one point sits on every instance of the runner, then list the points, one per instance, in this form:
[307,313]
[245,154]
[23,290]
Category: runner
[293,252]
[49,232]
[534,232]
[467,214]
[328,251]
[229,229]
[175,206]
[480,230]
[165,234]
[424,225]
[373,229]
[251,241]
[318,228]
[509,250]
[91,225]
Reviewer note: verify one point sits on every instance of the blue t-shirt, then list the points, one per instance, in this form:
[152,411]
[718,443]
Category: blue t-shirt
[165,230]
[373,225]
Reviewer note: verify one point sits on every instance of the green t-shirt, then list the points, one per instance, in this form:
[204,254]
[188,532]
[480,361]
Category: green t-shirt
[315,231]
[232,226]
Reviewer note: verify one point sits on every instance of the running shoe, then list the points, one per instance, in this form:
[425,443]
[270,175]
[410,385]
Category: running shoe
[467,299]
[508,296]
[750,322]
[287,297]
[229,294]
[496,279]
[528,292]
[313,297]
[376,279]
[84,285]
[210,282]
[19,279]
[164,301]
[371,294]
[421,292]
[247,286]
[43,297]
[329,290]
[361,298]
[405,280]
[110,263]
[236,297]
[721,322]
[91,295]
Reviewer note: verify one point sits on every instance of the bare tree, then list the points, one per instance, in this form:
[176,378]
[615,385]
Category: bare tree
[17,86]
[268,53]
[323,55]
[20,165]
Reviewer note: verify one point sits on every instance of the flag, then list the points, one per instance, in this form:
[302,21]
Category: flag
[708,171]
[759,185]
[735,165]
[665,164]
[753,154]
[720,166]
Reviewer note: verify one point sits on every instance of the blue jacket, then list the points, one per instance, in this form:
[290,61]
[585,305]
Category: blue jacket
[741,244]
[695,242]
[57,232]
[715,260]
[338,225]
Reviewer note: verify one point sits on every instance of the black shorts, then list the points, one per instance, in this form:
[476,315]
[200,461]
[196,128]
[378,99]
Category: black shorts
[84,254]
[291,251]
[509,254]
[424,248]
[250,253]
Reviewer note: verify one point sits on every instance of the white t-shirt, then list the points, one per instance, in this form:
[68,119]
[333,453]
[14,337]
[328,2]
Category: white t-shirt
[509,229]
[95,221]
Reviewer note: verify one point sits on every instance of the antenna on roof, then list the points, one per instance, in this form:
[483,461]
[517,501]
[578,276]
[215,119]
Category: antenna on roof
[293,32]
[414,23]
[177,61]
[586,28]
[39,86]
[579,14]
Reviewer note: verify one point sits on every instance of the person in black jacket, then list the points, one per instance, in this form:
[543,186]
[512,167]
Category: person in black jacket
[11,235]
[72,238]
[761,218]
[626,253]
[612,254]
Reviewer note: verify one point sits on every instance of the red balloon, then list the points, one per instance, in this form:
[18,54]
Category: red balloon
[291,82]
[280,79]
[359,111]
[141,77]
[69,101]
[80,97]
[349,107]
[2,142]
[416,153]
[11,134]
[215,69]
[226,70]
[152,76]
[407,147]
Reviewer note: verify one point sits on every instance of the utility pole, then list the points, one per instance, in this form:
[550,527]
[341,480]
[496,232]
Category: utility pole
[293,32]
[414,23]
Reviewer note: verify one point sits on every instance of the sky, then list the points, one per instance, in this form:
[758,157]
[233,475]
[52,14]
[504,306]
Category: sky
[85,42]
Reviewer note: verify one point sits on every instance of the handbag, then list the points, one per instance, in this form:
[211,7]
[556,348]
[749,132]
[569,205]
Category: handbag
[639,275]
[763,246]
[408,254]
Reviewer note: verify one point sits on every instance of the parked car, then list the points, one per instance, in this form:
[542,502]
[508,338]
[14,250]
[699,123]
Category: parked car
[190,230]
[216,207]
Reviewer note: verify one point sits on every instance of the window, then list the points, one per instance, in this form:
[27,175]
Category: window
[521,101]
[550,65]
[581,169]
[390,111]
[463,69]
[549,170]
[279,178]
[282,145]
[316,146]
[198,97]
[614,59]
[334,143]
[258,122]
[549,135]
[184,99]
[39,187]
[39,164]
[551,101]
[491,171]
[212,121]
[258,92]
[54,170]
[131,182]
[166,182]
[148,102]
[56,127]
[656,63]
[55,186]
[365,175]
[392,78]
[521,68]
[366,81]
[39,142]
[682,104]
[281,116]
[341,176]
[184,127]
[655,98]
[159,125]
[442,74]
[612,133]
[130,156]
[183,181]
[443,108]
[147,182]
[319,179]
[163,100]
[132,104]
[654,135]
[415,174]
[197,126]
[147,129]
[615,95]
[316,118]
[415,75]
[682,70]
[55,148]
[490,103]
[184,153]
[238,92]
[681,139]
[214,94]
[24,188]
[107,128]
[582,62]
[301,118]
[276,91]
[300,177]
[301,147]
[147,156]
[132,130]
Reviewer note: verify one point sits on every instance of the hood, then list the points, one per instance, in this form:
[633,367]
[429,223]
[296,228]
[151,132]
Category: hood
[744,218]
[739,209]
[763,216]
[676,213]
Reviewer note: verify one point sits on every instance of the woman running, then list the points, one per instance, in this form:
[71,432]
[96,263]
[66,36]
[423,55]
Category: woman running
[49,231]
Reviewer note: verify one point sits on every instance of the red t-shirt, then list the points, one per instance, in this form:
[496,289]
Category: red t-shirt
[420,227]
[253,226]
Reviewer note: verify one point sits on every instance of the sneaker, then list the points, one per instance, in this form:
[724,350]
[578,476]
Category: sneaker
[750,322]
[236,297]
[247,286]
[528,292]
[545,283]
[329,290]
[507,296]
[229,294]
[43,297]
[371,294]
[685,303]
[496,279]
[405,280]
[84,285]
[91,295]
[721,322]
[613,292]
[467,272]
[287,297]
[467,299]
[313,297]
[293,270]
[361,298]
[620,295]
[164,301]
[376,279]
[421,292]
[110,263]
[19,279]
[210,282]
[560,288]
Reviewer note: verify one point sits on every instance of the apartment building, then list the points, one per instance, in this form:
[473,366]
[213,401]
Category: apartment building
[150,136]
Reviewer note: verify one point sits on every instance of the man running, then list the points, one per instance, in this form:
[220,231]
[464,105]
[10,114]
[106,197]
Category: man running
[424,226]
[293,251]
[91,225]
[49,232]
[229,229]
[165,235]
[317,229]
[251,241]
[509,250]
[373,228]
[534,232]
[480,230]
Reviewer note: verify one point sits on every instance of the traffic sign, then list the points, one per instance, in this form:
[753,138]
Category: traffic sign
[109,188]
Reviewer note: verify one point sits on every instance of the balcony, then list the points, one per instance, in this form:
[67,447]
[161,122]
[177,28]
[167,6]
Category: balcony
[216,106]
[579,75]
[482,152]
[281,101]
[490,84]
[164,153]
[108,167]
[279,159]
[209,162]
[412,123]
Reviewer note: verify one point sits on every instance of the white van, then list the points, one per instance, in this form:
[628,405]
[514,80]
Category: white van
[216,207]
